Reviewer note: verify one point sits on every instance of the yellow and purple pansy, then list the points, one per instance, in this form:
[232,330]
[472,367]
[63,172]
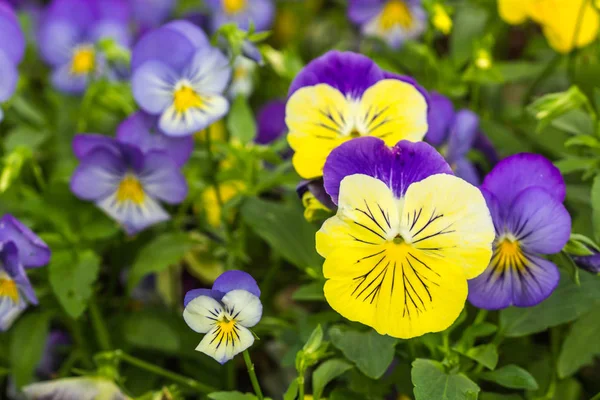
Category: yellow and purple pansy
[224,314]
[126,183]
[340,96]
[243,13]
[406,237]
[524,193]
[393,21]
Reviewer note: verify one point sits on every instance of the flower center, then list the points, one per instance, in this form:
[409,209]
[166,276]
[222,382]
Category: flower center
[83,60]
[226,325]
[185,98]
[8,288]
[130,189]
[508,254]
[234,6]
[395,12]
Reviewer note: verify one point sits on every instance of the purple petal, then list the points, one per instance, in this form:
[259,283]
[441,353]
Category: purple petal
[84,143]
[12,264]
[271,122]
[192,294]
[516,173]
[173,44]
[8,77]
[317,188]
[57,39]
[142,130]
[66,82]
[114,10]
[540,223]
[462,134]
[112,29]
[151,14]
[362,11]
[589,263]
[98,175]
[350,73]
[490,291]
[439,118]
[153,84]
[162,179]
[33,252]
[398,167]
[496,211]
[234,280]
[464,169]
[12,40]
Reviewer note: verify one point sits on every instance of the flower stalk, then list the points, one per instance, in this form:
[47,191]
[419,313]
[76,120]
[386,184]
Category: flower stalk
[252,374]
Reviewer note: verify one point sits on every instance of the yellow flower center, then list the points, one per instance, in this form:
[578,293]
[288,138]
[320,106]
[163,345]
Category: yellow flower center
[226,325]
[130,189]
[233,6]
[8,288]
[185,98]
[395,12]
[83,60]
[509,254]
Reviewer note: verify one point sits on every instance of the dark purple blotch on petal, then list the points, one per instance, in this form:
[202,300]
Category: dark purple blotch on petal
[317,188]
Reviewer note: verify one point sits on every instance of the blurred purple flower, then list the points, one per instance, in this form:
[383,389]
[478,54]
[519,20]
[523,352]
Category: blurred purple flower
[69,32]
[52,356]
[271,122]
[393,21]
[524,193]
[179,77]
[457,132]
[150,13]
[260,13]
[12,48]
[126,183]
[141,130]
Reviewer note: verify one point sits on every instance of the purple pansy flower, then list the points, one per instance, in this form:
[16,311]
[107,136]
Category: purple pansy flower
[179,77]
[150,13]
[260,13]
[141,130]
[343,95]
[16,292]
[271,122]
[69,32]
[126,183]
[12,48]
[393,21]
[589,263]
[33,252]
[224,314]
[524,193]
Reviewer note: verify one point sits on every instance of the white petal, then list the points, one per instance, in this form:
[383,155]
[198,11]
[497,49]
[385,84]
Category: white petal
[243,307]
[152,85]
[74,389]
[194,119]
[134,217]
[202,313]
[209,71]
[10,311]
[223,347]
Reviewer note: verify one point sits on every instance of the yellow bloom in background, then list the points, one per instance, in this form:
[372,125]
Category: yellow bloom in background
[560,20]
[210,200]
[441,20]
[398,253]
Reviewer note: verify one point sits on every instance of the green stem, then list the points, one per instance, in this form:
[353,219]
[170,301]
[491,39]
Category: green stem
[300,387]
[136,362]
[546,72]
[571,58]
[481,315]
[252,375]
[99,326]
[214,166]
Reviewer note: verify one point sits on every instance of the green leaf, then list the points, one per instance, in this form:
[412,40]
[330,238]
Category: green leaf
[292,391]
[567,303]
[311,292]
[149,330]
[511,376]
[327,372]
[28,340]
[159,254]
[581,345]
[575,122]
[486,355]
[72,277]
[240,122]
[595,196]
[498,396]
[314,341]
[24,136]
[518,70]
[469,24]
[371,352]
[272,221]
[431,381]
[231,396]
[572,164]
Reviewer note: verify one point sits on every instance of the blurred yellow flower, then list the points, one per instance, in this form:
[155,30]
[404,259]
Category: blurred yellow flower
[441,20]
[212,201]
[565,23]
[313,208]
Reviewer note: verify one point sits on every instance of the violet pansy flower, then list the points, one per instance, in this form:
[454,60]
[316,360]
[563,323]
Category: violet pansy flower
[68,34]
[126,183]
[141,130]
[524,193]
[259,13]
[179,77]
[393,21]
[12,48]
[224,314]
[340,96]
[20,248]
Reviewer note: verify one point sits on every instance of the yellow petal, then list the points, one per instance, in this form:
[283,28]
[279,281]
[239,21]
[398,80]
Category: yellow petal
[514,11]
[393,110]
[452,222]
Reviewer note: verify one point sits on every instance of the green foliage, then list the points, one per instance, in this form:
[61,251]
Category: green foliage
[327,372]
[240,121]
[581,345]
[28,338]
[431,381]
[513,377]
